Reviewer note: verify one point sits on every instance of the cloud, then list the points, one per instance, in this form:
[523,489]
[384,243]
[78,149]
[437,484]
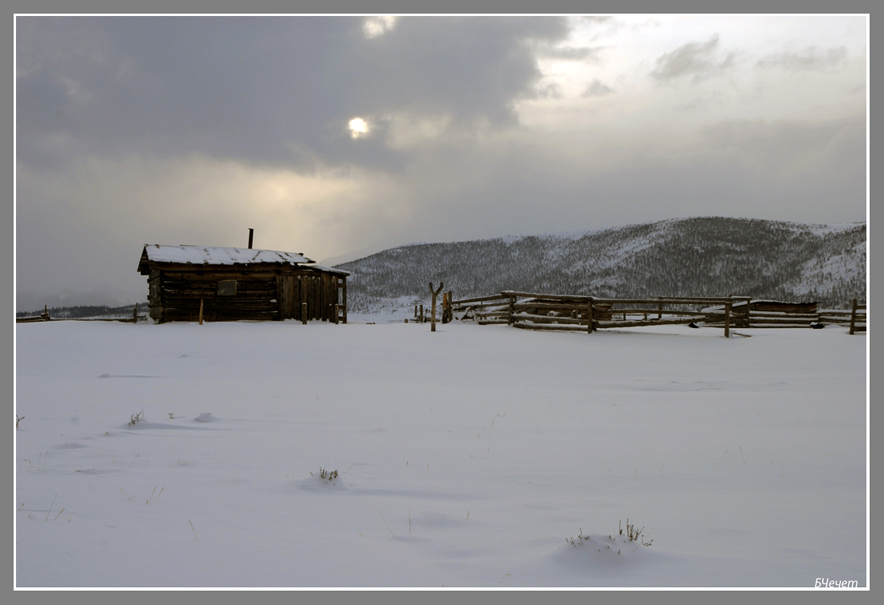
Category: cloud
[329,134]
[570,53]
[597,27]
[790,151]
[693,60]
[596,19]
[597,89]
[614,175]
[808,59]
[90,221]
[269,90]
[550,91]
[376,26]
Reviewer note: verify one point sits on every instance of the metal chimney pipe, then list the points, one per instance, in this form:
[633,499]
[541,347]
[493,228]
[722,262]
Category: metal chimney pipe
[251,233]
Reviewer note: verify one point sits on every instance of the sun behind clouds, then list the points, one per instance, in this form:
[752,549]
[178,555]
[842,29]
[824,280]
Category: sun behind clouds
[358,128]
[378,25]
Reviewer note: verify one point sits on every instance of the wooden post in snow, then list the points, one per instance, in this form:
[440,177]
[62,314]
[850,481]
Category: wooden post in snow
[435,293]
[727,319]
[447,308]
[853,307]
[201,311]
[589,327]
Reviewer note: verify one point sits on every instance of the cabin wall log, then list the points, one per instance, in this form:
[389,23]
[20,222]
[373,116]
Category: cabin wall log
[273,293]
[316,284]
[320,298]
[302,297]
[325,298]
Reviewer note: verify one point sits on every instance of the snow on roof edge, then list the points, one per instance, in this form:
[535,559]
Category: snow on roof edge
[217,255]
[329,269]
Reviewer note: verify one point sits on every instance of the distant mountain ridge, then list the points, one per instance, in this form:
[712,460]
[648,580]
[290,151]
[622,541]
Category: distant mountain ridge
[705,256]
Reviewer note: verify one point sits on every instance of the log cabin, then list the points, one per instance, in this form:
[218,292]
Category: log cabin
[189,283]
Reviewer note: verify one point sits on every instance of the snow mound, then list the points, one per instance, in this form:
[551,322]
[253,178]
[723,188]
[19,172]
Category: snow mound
[145,425]
[323,481]
[590,551]
[205,417]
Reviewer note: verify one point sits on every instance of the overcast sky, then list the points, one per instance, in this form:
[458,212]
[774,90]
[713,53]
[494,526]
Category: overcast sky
[330,135]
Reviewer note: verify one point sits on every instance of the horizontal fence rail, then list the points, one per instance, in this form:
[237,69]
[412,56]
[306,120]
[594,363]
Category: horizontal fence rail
[554,312]
[135,317]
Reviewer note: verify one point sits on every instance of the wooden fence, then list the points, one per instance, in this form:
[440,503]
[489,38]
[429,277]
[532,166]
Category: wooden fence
[857,317]
[532,311]
[44,316]
[494,309]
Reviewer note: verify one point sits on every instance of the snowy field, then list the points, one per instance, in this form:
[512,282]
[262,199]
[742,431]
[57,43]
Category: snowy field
[180,455]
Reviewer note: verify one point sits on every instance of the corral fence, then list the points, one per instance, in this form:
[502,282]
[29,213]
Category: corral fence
[533,311]
[857,317]
[44,316]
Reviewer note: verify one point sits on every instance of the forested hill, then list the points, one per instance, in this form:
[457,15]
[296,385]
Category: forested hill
[679,257]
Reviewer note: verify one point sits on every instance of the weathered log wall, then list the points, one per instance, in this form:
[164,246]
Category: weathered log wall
[178,293]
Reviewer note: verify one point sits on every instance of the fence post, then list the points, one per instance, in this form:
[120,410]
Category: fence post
[745,315]
[201,311]
[304,313]
[512,309]
[853,307]
[447,311]
[589,326]
[435,293]
[727,319]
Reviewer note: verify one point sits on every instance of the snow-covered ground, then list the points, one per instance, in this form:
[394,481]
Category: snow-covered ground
[180,455]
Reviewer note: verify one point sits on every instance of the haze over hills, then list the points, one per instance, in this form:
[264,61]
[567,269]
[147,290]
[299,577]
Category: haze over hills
[707,256]
[677,257]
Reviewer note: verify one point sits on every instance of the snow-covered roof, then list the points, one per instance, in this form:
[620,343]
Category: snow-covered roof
[330,270]
[213,255]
